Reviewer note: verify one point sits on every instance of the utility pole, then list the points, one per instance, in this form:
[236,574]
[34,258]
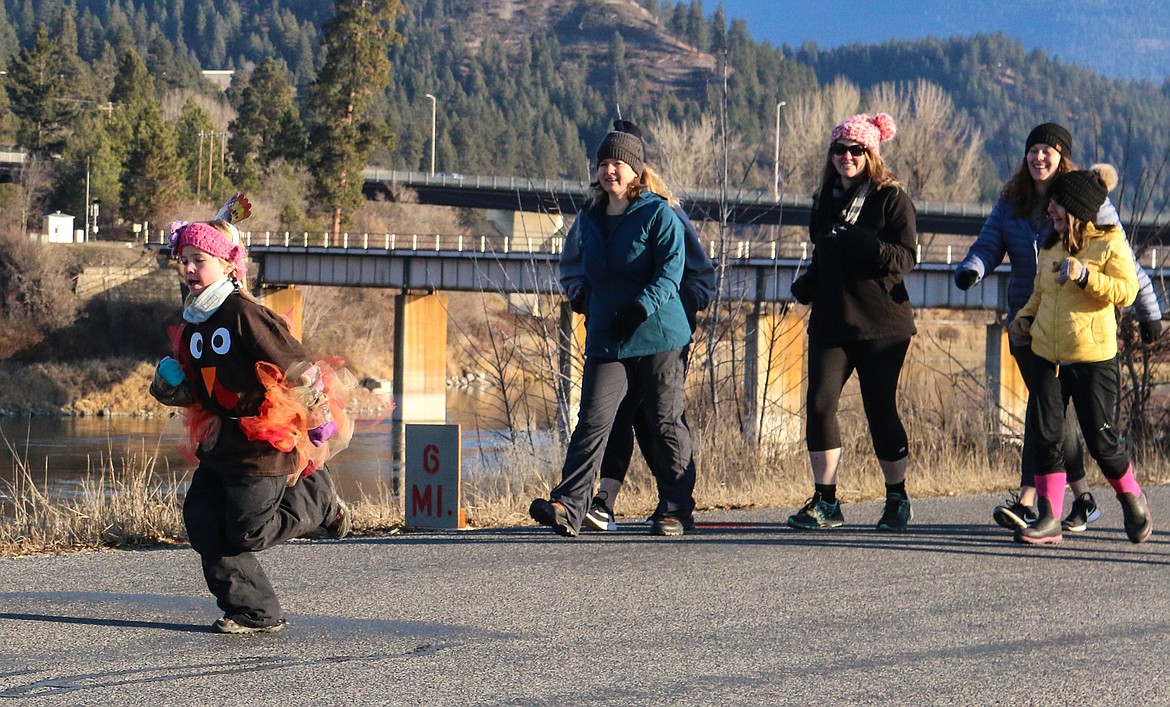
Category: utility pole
[776,159]
[433,104]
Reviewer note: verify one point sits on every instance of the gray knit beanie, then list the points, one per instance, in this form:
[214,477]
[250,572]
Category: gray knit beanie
[623,143]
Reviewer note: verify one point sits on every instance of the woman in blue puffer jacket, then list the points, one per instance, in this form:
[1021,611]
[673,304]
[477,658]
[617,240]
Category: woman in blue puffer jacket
[1013,229]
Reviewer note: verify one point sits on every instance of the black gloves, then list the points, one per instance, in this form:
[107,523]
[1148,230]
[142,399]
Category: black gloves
[803,289]
[1150,331]
[965,277]
[627,320]
[579,302]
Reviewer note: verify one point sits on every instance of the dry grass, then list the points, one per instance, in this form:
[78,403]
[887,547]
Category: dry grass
[956,448]
[118,505]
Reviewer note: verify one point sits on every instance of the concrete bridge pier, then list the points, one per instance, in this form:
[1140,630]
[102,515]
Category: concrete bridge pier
[571,364]
[288,302]
[773,374]
[420,368]
[1007,394]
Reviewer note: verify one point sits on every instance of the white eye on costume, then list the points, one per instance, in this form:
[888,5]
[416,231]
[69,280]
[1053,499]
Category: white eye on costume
[221,341]
[197,345]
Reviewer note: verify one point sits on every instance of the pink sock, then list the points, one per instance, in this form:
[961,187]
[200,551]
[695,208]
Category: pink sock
[1127,483]
[1051,488]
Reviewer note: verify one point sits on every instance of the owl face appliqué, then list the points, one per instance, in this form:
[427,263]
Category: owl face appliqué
[206,355]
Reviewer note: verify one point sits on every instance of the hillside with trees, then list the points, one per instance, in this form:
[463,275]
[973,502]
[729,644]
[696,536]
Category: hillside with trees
[108,98]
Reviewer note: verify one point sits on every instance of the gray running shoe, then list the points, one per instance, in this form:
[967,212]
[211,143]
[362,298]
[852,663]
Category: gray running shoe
[228,625]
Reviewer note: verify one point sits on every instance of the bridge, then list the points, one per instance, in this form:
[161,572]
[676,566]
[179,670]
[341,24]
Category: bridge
[749,271]
[757,275]
[734,206]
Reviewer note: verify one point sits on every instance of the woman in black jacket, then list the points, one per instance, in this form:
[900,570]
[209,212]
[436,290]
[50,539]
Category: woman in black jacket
[863,230]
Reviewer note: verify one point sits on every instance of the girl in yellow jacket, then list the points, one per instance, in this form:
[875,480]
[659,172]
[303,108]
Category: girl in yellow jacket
[1083,272]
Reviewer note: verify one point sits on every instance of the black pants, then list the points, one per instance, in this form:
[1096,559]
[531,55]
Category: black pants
[230,517]
[878,363]
[1093,389]
[1074,454]
[659,380]
[630,424]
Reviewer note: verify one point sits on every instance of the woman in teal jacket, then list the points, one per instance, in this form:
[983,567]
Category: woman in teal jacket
[633,250]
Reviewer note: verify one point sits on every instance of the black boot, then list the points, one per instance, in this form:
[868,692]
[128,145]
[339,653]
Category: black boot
[1137,517]
[1045,531]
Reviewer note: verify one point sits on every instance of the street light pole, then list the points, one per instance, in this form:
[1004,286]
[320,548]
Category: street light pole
[433,104]
[776,160]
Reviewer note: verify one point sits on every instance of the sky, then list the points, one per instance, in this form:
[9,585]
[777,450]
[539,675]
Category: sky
[1084,26]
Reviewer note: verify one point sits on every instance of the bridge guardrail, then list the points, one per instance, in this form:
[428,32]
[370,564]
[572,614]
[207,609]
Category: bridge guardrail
[458,245]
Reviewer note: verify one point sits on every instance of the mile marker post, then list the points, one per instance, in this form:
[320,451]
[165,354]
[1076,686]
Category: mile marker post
[434,463]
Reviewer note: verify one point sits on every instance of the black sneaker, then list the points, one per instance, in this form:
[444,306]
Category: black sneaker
[666,525]
[897,514]
[552,514]
[1013,514]
[1084,511]
[229,625]
[342,524]
[599,517]
[1137,517]
[818,515]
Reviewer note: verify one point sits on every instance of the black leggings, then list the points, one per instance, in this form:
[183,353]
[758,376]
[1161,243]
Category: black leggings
[878,363]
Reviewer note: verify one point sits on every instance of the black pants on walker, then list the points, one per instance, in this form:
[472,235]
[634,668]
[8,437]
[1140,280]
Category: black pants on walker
[1093,389]
[658,379]
[1074,456]
[230,517]
[631,423]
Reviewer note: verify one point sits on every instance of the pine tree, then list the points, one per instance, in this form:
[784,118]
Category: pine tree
[40,97]
[357,68]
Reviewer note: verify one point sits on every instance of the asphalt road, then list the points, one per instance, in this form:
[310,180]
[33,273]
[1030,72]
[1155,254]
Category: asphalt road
[745,611]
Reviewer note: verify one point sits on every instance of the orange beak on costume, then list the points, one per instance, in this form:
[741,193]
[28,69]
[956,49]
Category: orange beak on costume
[217,392]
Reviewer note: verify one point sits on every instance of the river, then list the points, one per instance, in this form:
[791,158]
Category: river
[59,452]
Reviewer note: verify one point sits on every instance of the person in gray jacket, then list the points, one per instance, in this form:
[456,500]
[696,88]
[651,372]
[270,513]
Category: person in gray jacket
[633,251]
[1013,229]
[697,290]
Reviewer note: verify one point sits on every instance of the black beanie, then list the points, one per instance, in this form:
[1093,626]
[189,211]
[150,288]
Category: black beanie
[623,143]
[1081,193]
[1053,135]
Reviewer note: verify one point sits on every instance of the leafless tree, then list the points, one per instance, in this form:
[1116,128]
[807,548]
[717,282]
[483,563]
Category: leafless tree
[938,151]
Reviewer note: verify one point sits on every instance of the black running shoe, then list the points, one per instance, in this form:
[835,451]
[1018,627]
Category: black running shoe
[599,517]
[1013,514]
[818,515]
[1084,511]
[897,514]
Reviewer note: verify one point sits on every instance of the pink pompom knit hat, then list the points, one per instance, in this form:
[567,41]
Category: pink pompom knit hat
[866,130]
[212,241]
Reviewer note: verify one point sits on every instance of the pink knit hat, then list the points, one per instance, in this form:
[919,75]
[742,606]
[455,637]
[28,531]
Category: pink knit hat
[210,240]
[866,130]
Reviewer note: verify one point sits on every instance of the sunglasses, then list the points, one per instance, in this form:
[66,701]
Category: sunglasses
[839,149]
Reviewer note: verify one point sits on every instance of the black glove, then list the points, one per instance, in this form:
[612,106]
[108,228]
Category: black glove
[803,289]
[579,302]
[1150,330]
[627,320]
[690,305]
[965,277]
